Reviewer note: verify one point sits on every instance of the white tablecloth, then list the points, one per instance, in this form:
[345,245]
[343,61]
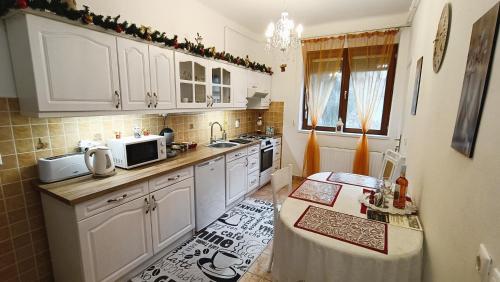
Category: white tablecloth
[301,255]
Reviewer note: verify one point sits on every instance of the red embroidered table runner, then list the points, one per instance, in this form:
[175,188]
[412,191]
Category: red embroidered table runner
[355,179]
[317,192]
[347,228]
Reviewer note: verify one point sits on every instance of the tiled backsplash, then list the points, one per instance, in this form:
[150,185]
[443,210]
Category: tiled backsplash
[24,253]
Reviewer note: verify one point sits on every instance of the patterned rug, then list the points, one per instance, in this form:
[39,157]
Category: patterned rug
[344,227]
[319,192]
[223,251]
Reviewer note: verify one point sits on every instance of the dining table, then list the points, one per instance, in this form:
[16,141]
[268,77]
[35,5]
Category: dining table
[323,234]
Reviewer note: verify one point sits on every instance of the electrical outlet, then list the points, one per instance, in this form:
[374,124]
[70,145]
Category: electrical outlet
[483,263]
[237,123]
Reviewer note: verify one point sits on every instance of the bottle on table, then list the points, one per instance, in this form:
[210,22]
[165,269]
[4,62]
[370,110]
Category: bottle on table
[400,190]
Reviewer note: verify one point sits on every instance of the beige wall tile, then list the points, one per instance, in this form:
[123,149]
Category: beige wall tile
[7,147]
[18,119]
[56,129]
[21,132]
[40,130]
[26,159]
[24,145]
[5,133]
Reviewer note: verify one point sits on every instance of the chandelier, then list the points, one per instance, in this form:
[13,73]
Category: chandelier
[283,35]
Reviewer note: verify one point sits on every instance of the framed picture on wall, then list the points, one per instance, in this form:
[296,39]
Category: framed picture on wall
[416,88]
[475,85]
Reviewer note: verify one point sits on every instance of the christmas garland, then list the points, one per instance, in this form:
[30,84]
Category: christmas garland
[85,16]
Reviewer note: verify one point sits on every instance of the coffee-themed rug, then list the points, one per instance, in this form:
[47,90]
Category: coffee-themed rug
[223,251]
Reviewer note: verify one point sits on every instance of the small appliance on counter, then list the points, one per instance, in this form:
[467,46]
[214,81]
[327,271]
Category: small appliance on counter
[58,168]
[99,161]
[130,152]
[168,133]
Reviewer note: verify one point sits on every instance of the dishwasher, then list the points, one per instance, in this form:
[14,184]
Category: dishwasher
[210,191]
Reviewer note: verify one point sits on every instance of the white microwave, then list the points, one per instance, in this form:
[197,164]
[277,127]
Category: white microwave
[130,152]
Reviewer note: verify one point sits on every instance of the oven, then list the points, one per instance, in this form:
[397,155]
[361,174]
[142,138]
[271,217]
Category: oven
[266,157]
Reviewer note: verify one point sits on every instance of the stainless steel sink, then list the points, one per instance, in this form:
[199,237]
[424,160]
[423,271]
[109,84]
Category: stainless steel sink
[223,145]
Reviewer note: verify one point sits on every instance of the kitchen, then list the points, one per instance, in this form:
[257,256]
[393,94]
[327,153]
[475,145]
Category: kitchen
[177,182]
[249,140]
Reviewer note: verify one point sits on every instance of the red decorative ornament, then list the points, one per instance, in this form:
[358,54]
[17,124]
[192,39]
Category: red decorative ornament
[22,4]
[119,28]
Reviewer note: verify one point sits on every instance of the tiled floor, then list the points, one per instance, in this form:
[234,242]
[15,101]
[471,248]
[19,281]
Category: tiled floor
[258,270]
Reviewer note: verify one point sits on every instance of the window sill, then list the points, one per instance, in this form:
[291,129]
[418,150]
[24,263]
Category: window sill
[345,134]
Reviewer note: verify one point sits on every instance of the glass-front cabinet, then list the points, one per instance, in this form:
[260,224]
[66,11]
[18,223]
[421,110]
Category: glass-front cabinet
[192,81]
[221,84]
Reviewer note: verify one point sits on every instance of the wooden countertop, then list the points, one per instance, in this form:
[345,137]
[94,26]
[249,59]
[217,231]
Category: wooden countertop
[81,189]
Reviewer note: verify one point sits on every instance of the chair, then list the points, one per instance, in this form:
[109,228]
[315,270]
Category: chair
[279,179]
[391,165]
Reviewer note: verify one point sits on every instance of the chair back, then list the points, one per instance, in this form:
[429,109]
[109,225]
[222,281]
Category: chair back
[391,165]
[280,179]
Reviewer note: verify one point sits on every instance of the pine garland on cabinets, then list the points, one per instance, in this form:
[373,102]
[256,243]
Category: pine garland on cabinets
[86,16]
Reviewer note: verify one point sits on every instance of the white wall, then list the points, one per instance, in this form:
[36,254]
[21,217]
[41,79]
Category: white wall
[184,18]
[287,87]
[458,197]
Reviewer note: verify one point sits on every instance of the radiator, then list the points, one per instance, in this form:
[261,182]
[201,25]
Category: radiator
[337,159]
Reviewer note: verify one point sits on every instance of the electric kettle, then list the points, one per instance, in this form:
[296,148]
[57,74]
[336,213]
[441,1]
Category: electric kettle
[102,161]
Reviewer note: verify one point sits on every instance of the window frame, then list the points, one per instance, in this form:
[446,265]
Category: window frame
[344,98]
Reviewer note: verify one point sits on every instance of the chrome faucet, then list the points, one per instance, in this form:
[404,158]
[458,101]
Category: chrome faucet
[212,139]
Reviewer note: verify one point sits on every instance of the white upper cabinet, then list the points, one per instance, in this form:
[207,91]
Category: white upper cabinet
[59,67]
[133,62]
[239,87]
[161,62]
[192,81]
[222,82]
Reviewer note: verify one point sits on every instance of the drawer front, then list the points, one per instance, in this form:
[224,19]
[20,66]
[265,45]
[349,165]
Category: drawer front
[236,155]
[253,149]
[277,152]
[253,163]
[170,178]
[276,165]
[278,141]
[110,200]
[253,181]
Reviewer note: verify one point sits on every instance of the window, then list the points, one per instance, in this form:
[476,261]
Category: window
[342,101]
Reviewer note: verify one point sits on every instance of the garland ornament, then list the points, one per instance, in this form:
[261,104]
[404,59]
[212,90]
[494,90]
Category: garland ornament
[67,9]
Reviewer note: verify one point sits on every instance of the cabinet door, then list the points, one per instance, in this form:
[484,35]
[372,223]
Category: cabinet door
[239,87]
[222,85]
[172,212]
[75,68]
[236,179]
[114,242]
[161,62]
[191,81]
[133,61]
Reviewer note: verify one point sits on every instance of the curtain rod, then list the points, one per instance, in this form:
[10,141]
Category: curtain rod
[358,31]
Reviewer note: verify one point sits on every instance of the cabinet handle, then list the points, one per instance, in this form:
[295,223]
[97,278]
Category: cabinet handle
[148,206]
[117,95]
[174,178]
[117,199]
[154,202]
[148,99]
[156,99]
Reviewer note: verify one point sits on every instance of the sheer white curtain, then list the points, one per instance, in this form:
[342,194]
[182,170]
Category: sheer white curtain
[368,51]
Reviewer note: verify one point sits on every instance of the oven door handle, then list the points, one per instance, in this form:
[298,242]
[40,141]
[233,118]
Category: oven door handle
[267,150]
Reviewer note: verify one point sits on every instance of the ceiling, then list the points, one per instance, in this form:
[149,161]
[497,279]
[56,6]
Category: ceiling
[256,14]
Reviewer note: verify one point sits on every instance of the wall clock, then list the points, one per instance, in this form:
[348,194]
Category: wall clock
[441,39]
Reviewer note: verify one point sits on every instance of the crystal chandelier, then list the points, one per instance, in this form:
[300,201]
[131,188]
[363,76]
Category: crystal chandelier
[283,35]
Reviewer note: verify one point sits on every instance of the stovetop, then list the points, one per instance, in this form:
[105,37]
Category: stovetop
[247,138]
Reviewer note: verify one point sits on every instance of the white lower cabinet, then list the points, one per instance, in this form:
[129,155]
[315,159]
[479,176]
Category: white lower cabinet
[172,213]
[253,181]
[105,238]
[114,242]
[236,179]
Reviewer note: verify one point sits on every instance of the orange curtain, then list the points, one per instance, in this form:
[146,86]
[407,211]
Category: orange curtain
[322,66]
[370,54]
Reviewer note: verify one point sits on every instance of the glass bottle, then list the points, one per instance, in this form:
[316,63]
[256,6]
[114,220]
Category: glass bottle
[340,125]
[400,190]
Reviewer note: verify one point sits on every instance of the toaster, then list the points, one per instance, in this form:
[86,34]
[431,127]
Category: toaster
[62,167]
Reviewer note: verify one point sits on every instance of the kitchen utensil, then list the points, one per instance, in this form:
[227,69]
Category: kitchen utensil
[102,163]
[169,135]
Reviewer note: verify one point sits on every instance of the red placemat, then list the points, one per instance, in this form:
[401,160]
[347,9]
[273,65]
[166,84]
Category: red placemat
[344,227]
[355,179]
[319,192]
